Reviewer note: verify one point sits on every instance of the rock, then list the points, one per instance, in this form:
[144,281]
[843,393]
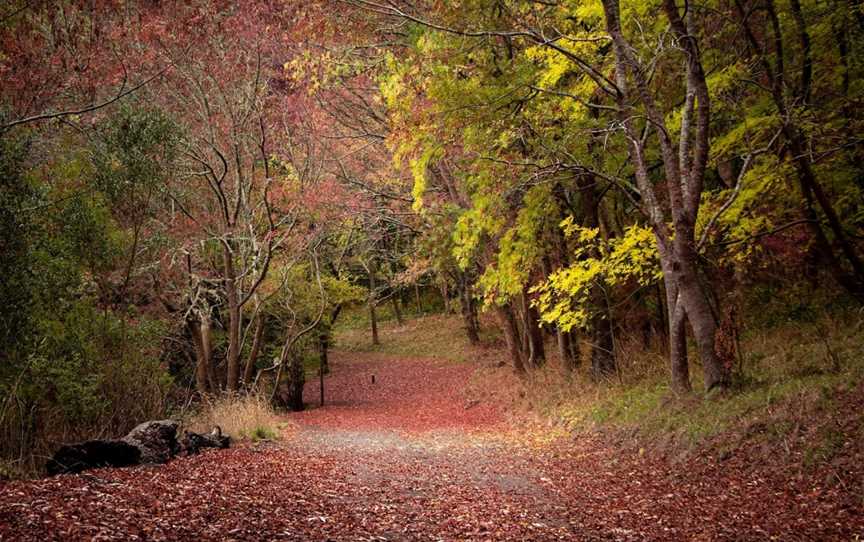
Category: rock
[193,442]
[156,440]
[92,454]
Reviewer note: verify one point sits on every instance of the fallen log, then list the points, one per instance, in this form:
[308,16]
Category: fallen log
[92,454]
[149,442]
[193,442]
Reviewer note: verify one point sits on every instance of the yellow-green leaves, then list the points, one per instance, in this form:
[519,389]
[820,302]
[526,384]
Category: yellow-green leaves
[419,167]
[520,247]
[565,298]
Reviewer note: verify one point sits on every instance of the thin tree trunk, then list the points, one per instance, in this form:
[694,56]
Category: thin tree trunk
[602,348]
[323,346]
[234,319]
[207,346]
[201,361]
[469,311]
[533,333]
[373,317]
[445,295]
[396,310]
[511,336]
[563,341]
[296,381]
[249,369]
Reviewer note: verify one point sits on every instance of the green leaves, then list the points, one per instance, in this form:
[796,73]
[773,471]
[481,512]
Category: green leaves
[565,297]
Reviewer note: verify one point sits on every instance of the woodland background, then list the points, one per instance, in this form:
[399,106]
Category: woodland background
[652,212]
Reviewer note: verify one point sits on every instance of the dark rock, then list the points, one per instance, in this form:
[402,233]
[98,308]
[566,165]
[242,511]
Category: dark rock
[75,458]
[193,442]
[157,440]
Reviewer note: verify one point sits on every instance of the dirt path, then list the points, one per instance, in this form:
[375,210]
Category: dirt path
[413,457]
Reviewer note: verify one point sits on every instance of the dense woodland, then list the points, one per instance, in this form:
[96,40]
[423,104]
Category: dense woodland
[193,194]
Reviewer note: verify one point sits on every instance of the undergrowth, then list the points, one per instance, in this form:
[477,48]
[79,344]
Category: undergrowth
[793,379]
[243,417]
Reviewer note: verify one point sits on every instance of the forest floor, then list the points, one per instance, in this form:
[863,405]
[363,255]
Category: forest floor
[417,456]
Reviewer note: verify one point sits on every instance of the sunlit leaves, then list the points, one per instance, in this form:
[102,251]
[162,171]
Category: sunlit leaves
[565,298]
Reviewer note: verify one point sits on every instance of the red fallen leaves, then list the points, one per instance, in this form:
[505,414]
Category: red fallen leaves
[410,395]
[403,459]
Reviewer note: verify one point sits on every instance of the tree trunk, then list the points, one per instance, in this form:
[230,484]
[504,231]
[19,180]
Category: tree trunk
[533,333]
[511,336]
[249,369]
[323,345]
[445,295]
[602,348]
[324,338]
[469,310]
[679,366]
[565,349]
[201,360]
[296,379]
[207,345]
[417,299]
[698,311]
[678,362]
[373,318]
[396,310]
[234,319]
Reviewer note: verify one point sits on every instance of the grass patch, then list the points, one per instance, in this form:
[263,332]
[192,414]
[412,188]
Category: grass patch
[244,417]
[262,433]
[792,375]
[438,336]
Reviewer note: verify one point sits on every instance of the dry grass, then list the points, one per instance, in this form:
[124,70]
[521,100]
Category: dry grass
[792,375]
[243,417]
[439,336]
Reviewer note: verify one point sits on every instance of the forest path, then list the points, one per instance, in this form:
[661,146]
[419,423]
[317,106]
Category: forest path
[413,457]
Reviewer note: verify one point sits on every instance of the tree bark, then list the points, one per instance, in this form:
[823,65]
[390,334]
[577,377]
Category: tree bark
[258,335]
[296,379]
[533,333]
[684,169]
[469,310]
[373,317]
[234,319]
[417,299]
[511,336]
[565,349]
[396,310]
[323,346]
[201,359]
